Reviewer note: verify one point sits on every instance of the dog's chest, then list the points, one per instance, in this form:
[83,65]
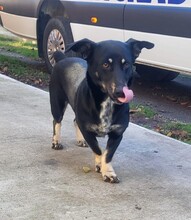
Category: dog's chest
[106,114]
[105,118]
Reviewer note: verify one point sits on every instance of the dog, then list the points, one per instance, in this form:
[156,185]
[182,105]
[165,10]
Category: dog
[96,85]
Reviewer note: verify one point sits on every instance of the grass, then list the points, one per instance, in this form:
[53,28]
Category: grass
[148,118]
[13,65]
[17,68]
[177,130]
[23,47]
[24,72]
[145,111]
[180,126]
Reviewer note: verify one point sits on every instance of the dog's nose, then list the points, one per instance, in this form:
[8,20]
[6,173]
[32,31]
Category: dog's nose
[118,93]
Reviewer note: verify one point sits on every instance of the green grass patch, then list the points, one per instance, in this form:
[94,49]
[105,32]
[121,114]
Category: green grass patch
[15,66]
[180,126]
[146,117]
[23,71]
[25,48]
[180,131]
[145,111]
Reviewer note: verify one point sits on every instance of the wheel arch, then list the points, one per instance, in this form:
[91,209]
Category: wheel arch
[50,9]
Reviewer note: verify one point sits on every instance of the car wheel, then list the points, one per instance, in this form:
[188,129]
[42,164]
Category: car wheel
[56,37]
[155,74]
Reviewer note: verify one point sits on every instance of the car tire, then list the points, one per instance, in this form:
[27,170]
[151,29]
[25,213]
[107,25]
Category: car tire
[155,74]
[57,35]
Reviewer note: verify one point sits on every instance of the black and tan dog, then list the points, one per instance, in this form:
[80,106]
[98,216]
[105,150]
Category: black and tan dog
[97,88]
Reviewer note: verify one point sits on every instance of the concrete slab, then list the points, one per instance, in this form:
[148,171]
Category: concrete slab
[37,182]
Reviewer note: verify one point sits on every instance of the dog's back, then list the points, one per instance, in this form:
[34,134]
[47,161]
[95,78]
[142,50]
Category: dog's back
[67,74]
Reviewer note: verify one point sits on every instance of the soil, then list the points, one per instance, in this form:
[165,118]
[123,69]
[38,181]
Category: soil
[171,99]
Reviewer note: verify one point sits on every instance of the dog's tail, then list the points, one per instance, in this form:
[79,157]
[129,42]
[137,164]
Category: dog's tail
[58,55]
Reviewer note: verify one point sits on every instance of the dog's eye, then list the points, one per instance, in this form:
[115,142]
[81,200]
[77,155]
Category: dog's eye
[126,65]
[106,65]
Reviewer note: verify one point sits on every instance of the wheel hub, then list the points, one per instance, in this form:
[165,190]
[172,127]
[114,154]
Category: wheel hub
[55,42]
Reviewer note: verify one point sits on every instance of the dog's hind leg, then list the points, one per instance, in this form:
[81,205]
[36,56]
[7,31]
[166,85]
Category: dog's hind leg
[58,107]
[79,137]
[56,140]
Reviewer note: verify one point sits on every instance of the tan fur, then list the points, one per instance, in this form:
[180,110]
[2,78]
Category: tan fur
[57,135]
[106,168]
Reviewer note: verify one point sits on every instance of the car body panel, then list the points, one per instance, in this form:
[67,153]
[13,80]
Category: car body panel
[166,23]
[23,8]
[20,17]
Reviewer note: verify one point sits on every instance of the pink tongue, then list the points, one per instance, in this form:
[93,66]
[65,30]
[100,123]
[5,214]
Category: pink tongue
[128,95]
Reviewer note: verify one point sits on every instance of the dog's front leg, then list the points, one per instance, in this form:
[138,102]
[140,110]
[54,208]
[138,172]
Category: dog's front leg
[93,144]
[56,140]
[107,170]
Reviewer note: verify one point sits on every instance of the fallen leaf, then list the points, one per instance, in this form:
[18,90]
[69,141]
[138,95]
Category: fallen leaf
[169,134]
[179,133]
[157,129]
[5,69]
[171,98]
[37,82]
[184,103]
[133,111]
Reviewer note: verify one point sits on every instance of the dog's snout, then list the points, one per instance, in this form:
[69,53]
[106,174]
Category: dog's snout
[119,92]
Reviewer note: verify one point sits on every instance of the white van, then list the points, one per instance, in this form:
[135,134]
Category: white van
[56,23]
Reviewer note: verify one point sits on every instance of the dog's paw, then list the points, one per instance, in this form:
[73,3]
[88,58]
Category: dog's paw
[57,146]
[108,173]
[82,143]
[111,179]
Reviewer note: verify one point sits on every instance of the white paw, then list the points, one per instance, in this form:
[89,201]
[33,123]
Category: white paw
[82,143]
[109,174]
[107,170]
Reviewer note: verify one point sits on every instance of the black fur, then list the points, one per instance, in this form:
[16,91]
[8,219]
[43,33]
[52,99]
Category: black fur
[92,86]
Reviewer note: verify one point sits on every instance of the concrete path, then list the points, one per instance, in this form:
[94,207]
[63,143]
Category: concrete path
[39,183]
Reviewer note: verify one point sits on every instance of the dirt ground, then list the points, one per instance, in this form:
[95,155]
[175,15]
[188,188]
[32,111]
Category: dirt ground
[171,99]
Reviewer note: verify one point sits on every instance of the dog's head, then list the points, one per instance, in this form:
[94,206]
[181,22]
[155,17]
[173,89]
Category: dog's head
[110,63]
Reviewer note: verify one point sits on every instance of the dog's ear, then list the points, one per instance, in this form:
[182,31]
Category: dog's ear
[83,47]
[137,46]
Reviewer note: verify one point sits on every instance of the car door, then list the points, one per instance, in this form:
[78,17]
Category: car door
[20,16]
[96,19]
[165,23]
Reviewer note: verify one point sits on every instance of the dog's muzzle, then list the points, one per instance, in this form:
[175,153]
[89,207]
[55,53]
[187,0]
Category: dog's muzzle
[127,95]
[123,95]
